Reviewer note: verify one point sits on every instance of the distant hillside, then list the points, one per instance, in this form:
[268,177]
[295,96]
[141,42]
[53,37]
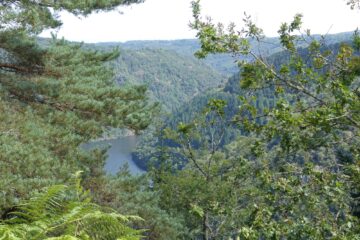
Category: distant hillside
[223,63]
[172,73]
[186,48]
[230,93]
[172,79]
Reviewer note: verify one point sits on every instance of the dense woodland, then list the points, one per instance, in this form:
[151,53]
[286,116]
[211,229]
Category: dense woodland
[242,136]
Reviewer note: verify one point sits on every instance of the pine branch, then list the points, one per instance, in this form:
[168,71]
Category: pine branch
[16,68]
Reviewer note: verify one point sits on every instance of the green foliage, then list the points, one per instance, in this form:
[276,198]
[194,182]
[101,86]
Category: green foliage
[240,190]
[226,64]
[223,64]
[273,154]
[65,212]
[133,195]
[72,108]
[54,98]
[286,179]
[229,96]
[197,191]
[228,200]
[35,16]
[324,94]
[172,79]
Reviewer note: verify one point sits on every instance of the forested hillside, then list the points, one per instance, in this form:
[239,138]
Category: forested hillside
[267,150]
[188,112]
[174,76]
[171,79]
[223,63]
[263,100]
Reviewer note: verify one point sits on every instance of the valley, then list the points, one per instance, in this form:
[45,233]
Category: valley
[226,135]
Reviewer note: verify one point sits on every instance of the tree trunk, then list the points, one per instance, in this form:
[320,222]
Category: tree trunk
[206,232]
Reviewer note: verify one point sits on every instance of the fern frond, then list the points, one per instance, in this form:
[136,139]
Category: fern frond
[66,213]
[50,203]
[66,237]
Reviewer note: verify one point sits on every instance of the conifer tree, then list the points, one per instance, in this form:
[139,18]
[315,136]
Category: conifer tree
[55,96]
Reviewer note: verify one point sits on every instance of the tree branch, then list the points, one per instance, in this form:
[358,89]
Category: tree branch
[16,68]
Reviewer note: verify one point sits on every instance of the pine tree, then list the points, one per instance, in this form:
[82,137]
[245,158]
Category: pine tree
[54,97]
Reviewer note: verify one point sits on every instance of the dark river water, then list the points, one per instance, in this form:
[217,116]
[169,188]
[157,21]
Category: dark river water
[119,153]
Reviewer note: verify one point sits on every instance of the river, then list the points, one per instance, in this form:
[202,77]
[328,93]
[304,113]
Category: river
[119,154]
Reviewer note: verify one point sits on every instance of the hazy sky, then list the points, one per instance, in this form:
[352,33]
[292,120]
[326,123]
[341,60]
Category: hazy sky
[169,19]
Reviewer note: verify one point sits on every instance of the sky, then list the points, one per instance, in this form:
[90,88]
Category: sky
[169,19]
